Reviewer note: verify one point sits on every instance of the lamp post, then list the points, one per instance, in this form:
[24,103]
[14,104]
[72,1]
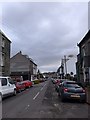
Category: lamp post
[62,70]
[64,61]
[66,58]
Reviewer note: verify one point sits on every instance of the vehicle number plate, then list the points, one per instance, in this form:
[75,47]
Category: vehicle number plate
[75,96]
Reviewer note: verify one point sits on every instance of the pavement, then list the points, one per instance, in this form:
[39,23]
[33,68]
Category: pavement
[0,110]
[88,95]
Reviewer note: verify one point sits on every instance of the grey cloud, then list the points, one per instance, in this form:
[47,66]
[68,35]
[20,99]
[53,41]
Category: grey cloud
[45,31]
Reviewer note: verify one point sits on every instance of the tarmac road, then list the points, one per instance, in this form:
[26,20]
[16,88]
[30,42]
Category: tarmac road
[42,101]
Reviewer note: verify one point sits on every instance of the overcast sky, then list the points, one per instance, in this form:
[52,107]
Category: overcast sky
[45,31]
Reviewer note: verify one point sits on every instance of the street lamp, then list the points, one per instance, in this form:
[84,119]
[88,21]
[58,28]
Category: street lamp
[66,58]
[65,61]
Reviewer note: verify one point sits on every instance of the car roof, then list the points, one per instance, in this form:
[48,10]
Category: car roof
[63,79]
[25,80]
[4,77]
[69,81]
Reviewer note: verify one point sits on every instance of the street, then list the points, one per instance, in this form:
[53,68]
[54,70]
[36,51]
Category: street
[42,101]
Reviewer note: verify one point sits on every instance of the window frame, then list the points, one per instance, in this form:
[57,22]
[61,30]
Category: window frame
[3,82]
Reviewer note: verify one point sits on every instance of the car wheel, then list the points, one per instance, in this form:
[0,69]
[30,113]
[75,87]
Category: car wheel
[19,90]
[58,94]
[15,92]
[83,101]
[57,90]
[24,88]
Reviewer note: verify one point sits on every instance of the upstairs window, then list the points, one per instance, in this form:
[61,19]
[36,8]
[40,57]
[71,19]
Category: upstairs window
[2,60]
[89,48]
[3,42]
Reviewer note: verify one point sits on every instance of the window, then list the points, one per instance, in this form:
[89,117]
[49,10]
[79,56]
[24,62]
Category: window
[10,81]
[88,48]
[3,42]
[2,60]
[83,51]
[3,81]
[71,85]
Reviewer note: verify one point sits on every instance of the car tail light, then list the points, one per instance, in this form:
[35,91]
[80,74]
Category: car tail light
[65,90]
[83,90]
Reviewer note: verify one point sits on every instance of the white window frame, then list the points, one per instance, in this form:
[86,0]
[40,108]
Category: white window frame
[2,60]
[3,42]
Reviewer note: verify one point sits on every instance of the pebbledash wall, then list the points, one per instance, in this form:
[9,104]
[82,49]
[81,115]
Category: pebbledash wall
[22,65]
[83,61]
[4,55]
[0,54]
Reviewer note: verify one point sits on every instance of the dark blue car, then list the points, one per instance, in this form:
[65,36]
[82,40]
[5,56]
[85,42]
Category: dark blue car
[72,90]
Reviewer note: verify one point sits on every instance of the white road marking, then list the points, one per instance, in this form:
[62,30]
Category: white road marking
[39,92]
[36,96]
[27,107]
[56,105]
[43,87]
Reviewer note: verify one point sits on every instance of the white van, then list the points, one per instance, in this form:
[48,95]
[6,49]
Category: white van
[7,86]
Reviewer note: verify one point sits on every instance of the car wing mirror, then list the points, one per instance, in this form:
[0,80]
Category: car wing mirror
[60,84]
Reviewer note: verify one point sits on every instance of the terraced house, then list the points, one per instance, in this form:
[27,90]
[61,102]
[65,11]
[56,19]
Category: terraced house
[83,60]
[22,67]
[4,55]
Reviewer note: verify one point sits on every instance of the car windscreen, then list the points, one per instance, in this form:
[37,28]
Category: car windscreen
[71,85]
[11,81]
[18,83]
[62,81]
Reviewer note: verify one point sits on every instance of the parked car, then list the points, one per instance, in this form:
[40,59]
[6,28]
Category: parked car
[71,90]
[55,81]
[20,86]
[27,83]
[42,80]
[57,85]
[7,86]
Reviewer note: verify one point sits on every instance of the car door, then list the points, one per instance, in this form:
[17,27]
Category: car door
[11,85]
[4,85]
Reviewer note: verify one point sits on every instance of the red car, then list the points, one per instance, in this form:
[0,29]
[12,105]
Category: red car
[27,83]
[19,86]
[56,81]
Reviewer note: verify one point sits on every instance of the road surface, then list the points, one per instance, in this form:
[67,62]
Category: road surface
[42,101]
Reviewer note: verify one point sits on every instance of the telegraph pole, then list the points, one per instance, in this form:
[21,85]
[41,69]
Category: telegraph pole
[62,69]
[65,59]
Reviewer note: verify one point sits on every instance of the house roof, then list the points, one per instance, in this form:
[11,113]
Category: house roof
[4,36]
[32,61]
[86,37]
[26,56]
